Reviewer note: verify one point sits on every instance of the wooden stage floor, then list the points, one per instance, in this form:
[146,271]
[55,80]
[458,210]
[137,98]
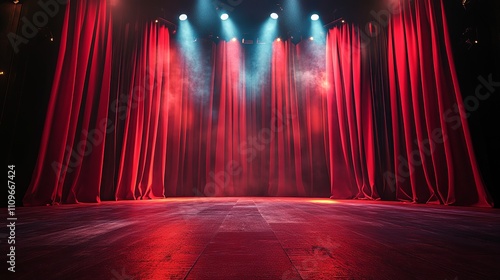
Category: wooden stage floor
[256,238]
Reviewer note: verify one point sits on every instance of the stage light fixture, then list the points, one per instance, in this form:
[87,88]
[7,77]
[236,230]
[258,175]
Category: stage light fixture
[156,21]
[274,16]
[16,1]
[1,73]
[279,39]
[315,17]
[343,21]
[247,41]
[311,38]
[234,39]
[224,16]
[183,17]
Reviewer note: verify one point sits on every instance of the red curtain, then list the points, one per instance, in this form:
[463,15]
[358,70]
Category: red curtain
[391,112]
[433,153]
[262,129]
[350,135]
[136,115]
[70,161]
[297,160]
[140,112]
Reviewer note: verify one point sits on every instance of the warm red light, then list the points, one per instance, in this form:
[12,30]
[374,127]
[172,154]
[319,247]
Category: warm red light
[323,201]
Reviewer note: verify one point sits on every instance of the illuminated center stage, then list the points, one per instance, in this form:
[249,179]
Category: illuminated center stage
[257,238]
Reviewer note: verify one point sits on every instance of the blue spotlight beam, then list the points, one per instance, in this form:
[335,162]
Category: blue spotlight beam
[260,64]
[317,31]
[269,31]
[187,38]
[196,64]
[229,30]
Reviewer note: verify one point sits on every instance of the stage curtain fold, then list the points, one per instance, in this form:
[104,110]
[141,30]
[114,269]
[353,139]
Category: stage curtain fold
[141,110]
[396,125]
[350,116]
[434,160]
[296,124]
[69,168]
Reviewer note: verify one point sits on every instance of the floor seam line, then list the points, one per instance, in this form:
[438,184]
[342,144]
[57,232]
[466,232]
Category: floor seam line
[279,241]
[208,243]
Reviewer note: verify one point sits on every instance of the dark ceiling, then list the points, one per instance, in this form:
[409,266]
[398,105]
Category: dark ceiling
[249,15]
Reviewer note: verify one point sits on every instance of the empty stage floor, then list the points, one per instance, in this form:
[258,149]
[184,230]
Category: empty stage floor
[256,238]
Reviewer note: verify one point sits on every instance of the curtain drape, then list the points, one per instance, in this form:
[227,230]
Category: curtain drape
[392,113]
[143,117]
[70,164]
[434,159]
[140,112]
[135,114]
[350,116]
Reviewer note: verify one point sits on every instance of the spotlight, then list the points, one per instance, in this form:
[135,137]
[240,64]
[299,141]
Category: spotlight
[1,73]
[16,1]
[52,39]
[279,39]
[274,16]
[234,39]
[311,38]
[343,21]
[466,3]
[156,20]
[224,16]
[315,17]
[183,17]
